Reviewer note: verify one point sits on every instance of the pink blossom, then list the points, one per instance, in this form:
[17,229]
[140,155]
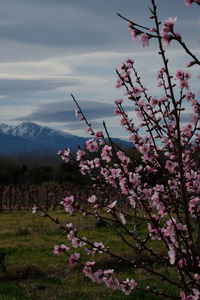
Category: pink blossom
[187,130]
[111,205]
[169,24]
[154,101]
[160,73]
[98,247]
[74,258]
[77,112]
[64,154]
[92,199]
[143,37]
[189,2]
[67,204]
[172,255]
[194,296]
[153,232]
[80,154]
[98,134]
[117,111]
[35,209]
[182,75]
[60,249]
[122,218]
[118,101]
[197,277]
[69,226]
[144,149]
[119,83]
[182,263]
[184,84]
[129,62]
[167,38]
[134,34]
[124,159]
[128,285]
[106,153]
[171,166]
[92,146]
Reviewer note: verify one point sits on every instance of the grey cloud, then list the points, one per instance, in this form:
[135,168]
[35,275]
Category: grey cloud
[64,112]
[78,125]
[39,29]
[23,87]
[56,26]
[79,23]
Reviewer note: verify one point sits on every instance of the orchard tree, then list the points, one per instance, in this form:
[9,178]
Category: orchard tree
[166,208]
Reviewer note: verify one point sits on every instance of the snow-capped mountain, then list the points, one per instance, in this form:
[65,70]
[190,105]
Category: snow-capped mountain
[30,130]
[29,137]
[4,128]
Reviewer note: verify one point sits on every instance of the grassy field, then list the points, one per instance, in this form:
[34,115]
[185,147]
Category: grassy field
[34,272]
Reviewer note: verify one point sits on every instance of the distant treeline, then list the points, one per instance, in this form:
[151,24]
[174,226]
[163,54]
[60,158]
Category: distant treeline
[43,169]
[19,171]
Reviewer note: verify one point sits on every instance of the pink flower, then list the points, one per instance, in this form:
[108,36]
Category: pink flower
[69,226]
[182,75]
[77,112]
[122,218]
[167,38]
[118,101]
[64,154]
[79,155]
[92,146]
[74,258]
[35,209]
[119,83]
[60,249]
[184,84]
[189,2]
[154,101]
[106,153]
[124,159]
[172,255]
[92,199]
[143,37]
[98,134]
[67,203]
[171,166]
[129,63]
[144,149]
[128,285]
[169,24]
[194,296]
[98,247]
[134,34]
[111,205]
[197,277]
[160,73]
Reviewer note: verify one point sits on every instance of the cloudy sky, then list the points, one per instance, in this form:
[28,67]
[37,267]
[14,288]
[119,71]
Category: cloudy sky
[52,48]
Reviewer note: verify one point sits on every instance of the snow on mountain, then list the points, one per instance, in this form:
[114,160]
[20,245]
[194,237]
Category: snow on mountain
[5,129]
[30,130]
[28,136]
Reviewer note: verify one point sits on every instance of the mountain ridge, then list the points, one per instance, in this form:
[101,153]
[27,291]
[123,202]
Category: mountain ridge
[28,137]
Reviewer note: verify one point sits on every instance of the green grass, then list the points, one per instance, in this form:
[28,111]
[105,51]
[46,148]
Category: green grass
[34,272]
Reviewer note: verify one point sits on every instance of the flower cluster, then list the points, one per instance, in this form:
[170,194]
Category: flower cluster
[64,154]
[106,277]
[189,2]
[158,182]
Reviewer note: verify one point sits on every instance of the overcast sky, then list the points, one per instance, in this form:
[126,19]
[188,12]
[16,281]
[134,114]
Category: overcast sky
[52,48]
